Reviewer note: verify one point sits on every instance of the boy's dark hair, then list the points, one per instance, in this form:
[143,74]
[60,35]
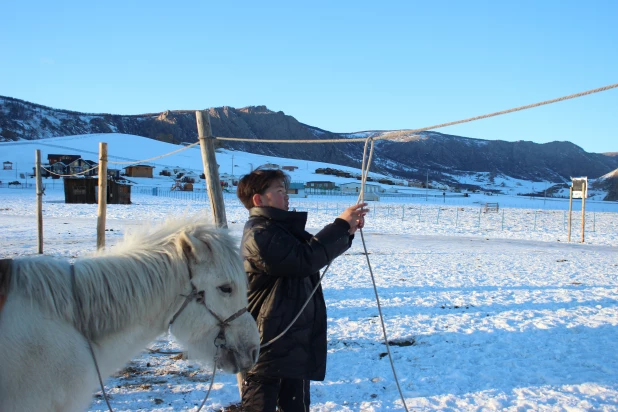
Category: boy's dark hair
[257,182]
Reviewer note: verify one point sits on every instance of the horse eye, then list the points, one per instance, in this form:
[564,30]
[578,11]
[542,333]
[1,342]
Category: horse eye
[227,289]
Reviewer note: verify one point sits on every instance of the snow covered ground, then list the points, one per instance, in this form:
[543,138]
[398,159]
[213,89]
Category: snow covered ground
[479,317]
[484,311]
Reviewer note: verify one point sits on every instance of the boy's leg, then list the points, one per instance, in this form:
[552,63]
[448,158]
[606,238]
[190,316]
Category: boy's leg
[294,395]
[259,393]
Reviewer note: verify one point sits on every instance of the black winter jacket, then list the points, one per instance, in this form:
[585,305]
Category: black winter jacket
[282,262]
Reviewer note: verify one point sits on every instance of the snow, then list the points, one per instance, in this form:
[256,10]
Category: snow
[485,311]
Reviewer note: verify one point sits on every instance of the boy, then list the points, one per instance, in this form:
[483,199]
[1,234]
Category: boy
[282,262]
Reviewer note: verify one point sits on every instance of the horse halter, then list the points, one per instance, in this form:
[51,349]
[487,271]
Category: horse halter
[199,298]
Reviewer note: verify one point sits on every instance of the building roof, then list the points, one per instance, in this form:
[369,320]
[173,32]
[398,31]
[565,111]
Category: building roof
[358,184]
[152,167]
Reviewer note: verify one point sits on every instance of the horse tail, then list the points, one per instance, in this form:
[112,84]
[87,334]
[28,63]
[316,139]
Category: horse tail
[5,278]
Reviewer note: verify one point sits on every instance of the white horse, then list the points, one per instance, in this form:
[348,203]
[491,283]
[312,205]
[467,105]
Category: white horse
[186,274]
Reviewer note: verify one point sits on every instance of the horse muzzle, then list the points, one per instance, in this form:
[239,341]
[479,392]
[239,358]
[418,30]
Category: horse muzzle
[233,361]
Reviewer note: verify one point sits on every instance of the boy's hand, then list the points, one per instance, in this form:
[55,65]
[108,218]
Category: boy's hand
[355,216]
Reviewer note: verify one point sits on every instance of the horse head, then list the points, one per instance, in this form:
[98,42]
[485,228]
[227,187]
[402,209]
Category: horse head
[214,321]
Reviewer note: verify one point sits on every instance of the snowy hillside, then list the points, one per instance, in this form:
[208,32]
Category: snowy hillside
[123,149]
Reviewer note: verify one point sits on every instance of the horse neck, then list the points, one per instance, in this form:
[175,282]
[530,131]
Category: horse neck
[129,292]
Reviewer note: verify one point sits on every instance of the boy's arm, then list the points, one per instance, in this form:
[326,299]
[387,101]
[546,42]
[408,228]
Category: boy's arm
[278,253]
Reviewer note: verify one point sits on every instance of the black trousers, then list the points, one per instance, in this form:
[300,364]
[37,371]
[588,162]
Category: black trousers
[266,394]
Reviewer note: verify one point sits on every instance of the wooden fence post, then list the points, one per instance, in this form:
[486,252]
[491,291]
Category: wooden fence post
[585,183]
[39,201]
[215,194]
[570,210]
[102,211]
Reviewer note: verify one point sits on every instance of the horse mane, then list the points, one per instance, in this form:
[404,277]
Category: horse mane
[127,283]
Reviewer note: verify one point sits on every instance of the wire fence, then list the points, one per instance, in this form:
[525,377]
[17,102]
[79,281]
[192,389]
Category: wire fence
[428,215]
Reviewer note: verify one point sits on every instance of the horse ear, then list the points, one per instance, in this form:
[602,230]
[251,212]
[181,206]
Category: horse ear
[193,248]
[187,244]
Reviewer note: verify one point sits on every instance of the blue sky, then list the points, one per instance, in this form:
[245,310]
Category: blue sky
[343,66]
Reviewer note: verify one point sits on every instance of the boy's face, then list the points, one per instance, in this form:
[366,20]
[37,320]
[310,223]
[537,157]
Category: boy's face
[275,196]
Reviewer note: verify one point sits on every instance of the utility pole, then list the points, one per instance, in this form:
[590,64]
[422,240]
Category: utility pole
[39,200]
[102,210]
[544,195]
[427,186]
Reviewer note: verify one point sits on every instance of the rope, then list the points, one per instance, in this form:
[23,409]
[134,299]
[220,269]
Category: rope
[364,173]
[388,347]
[125,163]
[365,170]
[387,136]
[82,323]
[212,380]
[74,174]
[299,312]
[156,157]
[485,116]
[395,135]
[361,199]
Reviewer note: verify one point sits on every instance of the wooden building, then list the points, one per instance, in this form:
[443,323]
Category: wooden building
[86,190]
[64,158]
[296,189]
[139,171]
[320,184]
[354,187]
[79,166]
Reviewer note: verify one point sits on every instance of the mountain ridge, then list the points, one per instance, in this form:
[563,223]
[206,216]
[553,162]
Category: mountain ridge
[440,155]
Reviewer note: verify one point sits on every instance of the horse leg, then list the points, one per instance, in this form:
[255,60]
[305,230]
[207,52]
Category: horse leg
[45,363]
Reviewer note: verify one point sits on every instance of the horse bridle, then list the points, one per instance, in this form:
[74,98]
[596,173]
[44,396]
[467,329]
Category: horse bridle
[199,298]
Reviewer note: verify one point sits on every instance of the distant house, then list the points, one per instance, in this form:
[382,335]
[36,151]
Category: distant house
[139,171]
[59,164]
[7,165]
[415,183]
[320,187]
[78,166]
[64,158]
[320,184]
[228,180]
[113,173]
[296,189]
[354,187]
[57,169]
[190,177]
[270,166]
[290,168]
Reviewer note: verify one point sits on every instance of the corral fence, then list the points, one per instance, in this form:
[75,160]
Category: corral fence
[475,216]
